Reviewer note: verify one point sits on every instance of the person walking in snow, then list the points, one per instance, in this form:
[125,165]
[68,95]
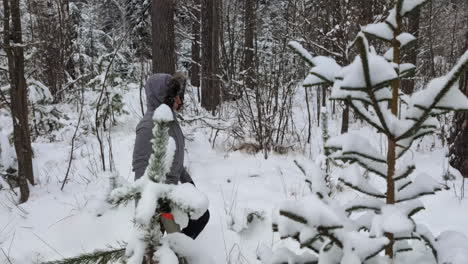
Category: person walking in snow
[165,89]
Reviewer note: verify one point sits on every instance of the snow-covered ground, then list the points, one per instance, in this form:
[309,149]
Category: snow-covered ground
[54,224]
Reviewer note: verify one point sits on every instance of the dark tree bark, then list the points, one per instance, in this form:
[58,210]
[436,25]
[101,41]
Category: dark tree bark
[18,95]
[195,66]
[407,85]
[162,19]
[249,33]
[53,30]
[210,55]
[459,137]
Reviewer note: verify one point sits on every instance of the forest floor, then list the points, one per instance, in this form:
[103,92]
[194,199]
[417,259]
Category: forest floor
[55,224]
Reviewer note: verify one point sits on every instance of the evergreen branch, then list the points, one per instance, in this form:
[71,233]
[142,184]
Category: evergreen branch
[390,25]
[362,164]
[364,156]
[375,253]
[363,116]
[429,244]
[124,199]
[357,188]
[403,250]
[404,149]
[324,79]
[97,257]
[274,227]
[420,194]
[409,237]
[157,163]
[362,207]
[408,171]
[352,98]
[377,36]
[365,65]
[309,243]
[457,72]
[296,48]
[415,210]
[333,238]
[294,217]
[300,167]
[295,236]
[405,185]
[416,7]
[408,72]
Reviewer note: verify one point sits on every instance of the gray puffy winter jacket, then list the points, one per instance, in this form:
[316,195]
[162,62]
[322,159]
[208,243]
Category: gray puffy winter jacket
[156,90]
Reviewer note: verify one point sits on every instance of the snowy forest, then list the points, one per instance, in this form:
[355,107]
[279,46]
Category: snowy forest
[233,131]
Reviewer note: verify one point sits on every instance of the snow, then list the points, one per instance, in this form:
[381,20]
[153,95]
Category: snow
[380,30]
[324,71]
[405,67]
[408,5]
[423,184]
[355,148]
[135,250]
[380,71]
[235,184]
[405,38]
[7,152]
[452,247]
[38,92]
[359,246]
[284,255]
[189,199]
[391,19]
[149,202]
[299,49]
[364,202]
[453,98]
[318,215]
[185,247]
[312,80]
[395,220]
[170,152]
[389,54]
[351,143]
[352,177]
[166,255]
[163,114]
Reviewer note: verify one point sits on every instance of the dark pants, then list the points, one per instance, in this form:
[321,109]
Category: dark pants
[195,227]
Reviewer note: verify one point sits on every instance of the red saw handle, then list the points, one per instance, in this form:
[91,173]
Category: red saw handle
[168,216]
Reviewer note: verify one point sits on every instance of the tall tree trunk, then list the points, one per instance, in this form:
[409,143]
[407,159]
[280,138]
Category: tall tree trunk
[407,85]
[210,55]
[459,138]
[195,65]
[162,19]
[53,28]
[249,32]
[19,100]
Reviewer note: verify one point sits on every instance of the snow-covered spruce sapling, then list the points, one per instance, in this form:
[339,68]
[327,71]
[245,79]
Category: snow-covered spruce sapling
[151,192]
[379,220]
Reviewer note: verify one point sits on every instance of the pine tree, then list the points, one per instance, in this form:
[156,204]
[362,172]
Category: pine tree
[154,197]
[382,220]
